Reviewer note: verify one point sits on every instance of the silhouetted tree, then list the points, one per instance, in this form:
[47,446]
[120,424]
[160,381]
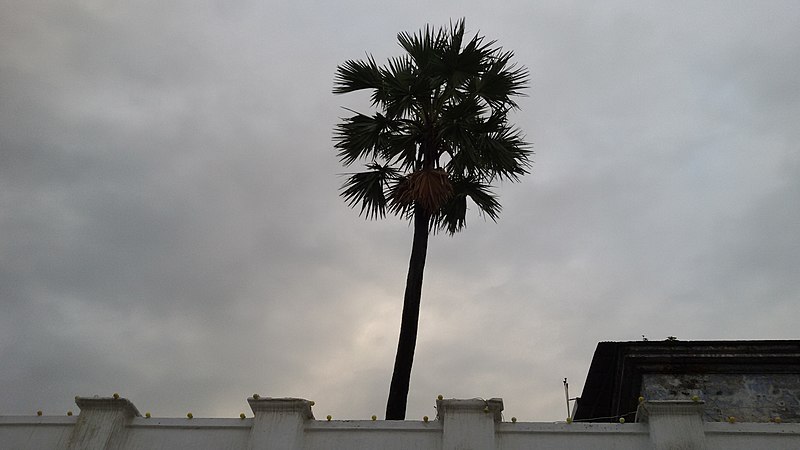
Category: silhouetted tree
[440,135]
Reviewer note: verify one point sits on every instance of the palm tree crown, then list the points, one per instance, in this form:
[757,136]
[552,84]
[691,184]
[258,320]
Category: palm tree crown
[441,133]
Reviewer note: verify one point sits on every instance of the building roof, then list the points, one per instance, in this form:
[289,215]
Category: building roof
[614,382]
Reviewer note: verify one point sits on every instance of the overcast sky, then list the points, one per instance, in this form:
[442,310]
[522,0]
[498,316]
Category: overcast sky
[170,226]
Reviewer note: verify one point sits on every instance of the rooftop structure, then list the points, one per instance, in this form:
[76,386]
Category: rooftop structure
[753,381]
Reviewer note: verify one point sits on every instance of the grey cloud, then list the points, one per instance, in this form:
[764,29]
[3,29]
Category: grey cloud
[170,228]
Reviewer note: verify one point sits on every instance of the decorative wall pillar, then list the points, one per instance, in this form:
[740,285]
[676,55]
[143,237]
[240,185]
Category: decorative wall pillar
[101,424]
[279,423]
[469,424]
[674,424]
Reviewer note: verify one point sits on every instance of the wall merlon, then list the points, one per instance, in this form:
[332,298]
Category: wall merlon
[284,404]
[108,404]
[493,406]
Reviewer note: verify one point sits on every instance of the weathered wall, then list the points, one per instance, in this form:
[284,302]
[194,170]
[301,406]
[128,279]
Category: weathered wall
[513,436]
[35,432]
[747,397]
[114,423]
[167,434]
[754,381]
[384,435]
[748,436]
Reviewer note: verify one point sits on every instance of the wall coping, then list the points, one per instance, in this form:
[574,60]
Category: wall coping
[107,404]
[669,407]
[38,420]
[283,404]
[492,406]
[182,422]
[374,425]
[572,428]
[739,428]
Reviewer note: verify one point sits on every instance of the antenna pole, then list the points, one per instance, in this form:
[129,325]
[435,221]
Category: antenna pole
[566,395]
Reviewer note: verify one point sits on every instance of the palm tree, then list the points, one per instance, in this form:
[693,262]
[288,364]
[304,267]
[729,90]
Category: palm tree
[440,135]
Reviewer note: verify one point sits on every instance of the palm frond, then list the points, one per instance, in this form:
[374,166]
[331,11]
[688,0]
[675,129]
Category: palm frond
[355,75]
[456,35]
[401,147]
[452,216]
[361,136]
[424,47]
[481,194]
[402,88]
[500,82]
[397,204]
[505,154]
[464,62]
[457,132]
[367,189]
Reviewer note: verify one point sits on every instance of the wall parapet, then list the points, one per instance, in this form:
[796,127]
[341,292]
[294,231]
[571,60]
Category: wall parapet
[289,423]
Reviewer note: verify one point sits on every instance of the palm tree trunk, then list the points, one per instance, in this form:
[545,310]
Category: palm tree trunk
[398,391]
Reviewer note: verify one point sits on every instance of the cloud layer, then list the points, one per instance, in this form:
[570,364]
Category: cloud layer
[170,227]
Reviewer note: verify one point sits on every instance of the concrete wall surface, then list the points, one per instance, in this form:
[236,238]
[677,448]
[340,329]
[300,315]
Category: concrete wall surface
[748,397]
[513,436]
[289,424]
[35,432]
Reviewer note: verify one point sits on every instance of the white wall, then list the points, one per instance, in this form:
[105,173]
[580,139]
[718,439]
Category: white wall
[107,423]
[35,432]
[511,436]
